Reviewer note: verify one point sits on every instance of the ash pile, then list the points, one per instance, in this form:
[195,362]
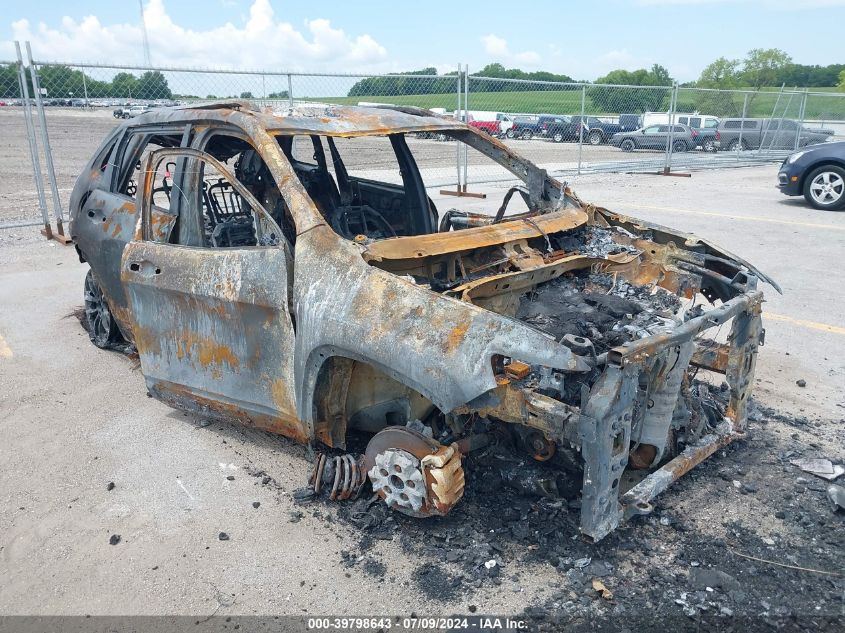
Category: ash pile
[601,307]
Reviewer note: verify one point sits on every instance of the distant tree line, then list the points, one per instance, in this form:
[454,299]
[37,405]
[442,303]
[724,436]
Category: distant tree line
[62,81]
[759,70]
[767,67]
[410,83]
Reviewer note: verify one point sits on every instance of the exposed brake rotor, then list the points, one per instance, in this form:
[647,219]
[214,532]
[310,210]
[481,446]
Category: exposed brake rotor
[414,474]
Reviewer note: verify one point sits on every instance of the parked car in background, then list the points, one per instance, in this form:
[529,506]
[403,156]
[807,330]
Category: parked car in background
[630,122]
[742,134]
[596,131]
[505,123]
[656,137]
[695,120]
[491,127]
[708,139]
[130,112]
[817,173]
[524,127]
[557,127]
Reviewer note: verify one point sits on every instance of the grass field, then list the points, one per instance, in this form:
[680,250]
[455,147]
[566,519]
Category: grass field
[569,102]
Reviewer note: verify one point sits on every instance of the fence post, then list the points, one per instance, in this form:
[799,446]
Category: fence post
[581,126]
[466,120]
[802,110]
[771,118]
[33,144]
[48,152]
[742,125]
[290,91]
[457,144]
[673,102]
[263,91]
[84,86]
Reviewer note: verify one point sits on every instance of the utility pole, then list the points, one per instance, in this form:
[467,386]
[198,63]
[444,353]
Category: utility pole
[147,60]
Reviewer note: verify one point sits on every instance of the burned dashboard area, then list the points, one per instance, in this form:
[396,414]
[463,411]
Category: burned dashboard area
[668,326]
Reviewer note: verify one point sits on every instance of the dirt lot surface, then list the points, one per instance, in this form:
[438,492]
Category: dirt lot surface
[745,542]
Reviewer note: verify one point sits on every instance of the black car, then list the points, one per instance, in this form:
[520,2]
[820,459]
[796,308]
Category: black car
[524,127]
[557,127]
[597,131]
[817,173]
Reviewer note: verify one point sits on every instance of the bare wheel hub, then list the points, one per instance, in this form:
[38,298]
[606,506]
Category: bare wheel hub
[398,475]
[414,474]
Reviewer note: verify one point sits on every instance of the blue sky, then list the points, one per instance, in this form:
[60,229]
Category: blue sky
[581,39]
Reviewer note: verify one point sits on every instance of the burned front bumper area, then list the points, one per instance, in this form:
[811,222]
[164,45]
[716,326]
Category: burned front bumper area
[645,392]
[663,393]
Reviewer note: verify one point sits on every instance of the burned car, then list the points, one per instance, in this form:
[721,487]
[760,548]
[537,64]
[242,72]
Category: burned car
[286,269]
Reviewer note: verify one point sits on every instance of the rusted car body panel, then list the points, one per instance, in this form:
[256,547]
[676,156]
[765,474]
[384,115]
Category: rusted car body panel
[331,334]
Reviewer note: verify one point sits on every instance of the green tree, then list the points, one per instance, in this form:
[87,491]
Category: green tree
[722,73]
[247,95]
[9,86]
[763,67]
[402,84]
[61,81]
[153,85]
[124,86]
[498,71]
[632,100]
[278,95]
[841,84]
[660,76]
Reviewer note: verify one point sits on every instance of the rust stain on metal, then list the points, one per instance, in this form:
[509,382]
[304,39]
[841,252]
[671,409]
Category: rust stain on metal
[456,336]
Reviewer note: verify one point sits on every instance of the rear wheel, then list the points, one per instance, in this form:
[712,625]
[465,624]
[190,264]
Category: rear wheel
[526,135]
[557,137]
[679,146]
[709,145]
[595,138]
[824,188]
[510,133]
[102,328]
[628,145]
[737,145]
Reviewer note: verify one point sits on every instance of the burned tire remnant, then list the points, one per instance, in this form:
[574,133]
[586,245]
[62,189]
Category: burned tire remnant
[102,328]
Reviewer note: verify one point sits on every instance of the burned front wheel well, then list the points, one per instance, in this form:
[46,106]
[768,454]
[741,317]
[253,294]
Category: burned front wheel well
[357,394]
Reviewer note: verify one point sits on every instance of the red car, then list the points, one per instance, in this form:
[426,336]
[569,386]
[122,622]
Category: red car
[493,128]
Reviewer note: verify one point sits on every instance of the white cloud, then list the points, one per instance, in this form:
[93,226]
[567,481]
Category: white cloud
[499,51]
[261,42]
[495,45]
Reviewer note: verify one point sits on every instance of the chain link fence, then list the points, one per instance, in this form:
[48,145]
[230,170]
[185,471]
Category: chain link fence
[567,128]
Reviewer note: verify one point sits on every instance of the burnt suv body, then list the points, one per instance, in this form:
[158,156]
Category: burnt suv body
[262,282]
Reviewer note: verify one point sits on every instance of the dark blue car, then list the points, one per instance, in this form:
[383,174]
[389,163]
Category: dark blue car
[817,173]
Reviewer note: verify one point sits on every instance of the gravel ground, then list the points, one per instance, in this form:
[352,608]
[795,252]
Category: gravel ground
[745,542]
